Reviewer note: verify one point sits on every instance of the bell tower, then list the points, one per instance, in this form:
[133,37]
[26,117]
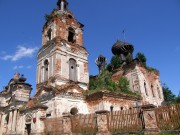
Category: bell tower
[62,57]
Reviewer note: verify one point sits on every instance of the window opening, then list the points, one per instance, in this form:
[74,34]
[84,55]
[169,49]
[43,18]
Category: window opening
[145,89]
[159,92]
[111,108]
[49,33]
[152,91]
[72,70]
[46,68]
[74,111]
[71,35]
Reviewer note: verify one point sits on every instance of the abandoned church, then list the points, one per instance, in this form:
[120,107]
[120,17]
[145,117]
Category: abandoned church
[62,86]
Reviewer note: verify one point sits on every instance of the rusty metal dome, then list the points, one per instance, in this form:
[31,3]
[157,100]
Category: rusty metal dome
[122,48]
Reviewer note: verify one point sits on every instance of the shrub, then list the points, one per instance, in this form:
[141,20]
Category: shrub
[124,84]
[47,17]
[142,58]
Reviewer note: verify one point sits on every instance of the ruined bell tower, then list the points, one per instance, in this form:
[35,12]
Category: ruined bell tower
[62,57]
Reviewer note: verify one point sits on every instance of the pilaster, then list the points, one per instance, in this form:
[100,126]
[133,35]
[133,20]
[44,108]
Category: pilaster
[10,122]
[150,122]
[14,121]
[103,122]
[67,125]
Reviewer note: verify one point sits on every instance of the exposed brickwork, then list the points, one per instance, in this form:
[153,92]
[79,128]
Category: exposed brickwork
[103,120]
[142,81]
[150,121]
[58,65]
[63,22]
[85,67]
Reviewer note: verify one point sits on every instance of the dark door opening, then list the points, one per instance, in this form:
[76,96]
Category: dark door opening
[28,128]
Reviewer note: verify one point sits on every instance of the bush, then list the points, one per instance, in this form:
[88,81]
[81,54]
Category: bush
[102,82]
[47,17]
[142,58]
[115,63]
[124,84]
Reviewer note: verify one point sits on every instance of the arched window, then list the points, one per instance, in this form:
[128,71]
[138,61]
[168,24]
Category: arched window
[7,119]
[49,34]
[145,88]
[72,70]
[152,89]
[122,108]
[28,119]
[46,69]
[159,93]
[71,35]
[111,108]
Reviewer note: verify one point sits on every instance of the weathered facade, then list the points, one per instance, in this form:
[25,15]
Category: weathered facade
[146,83]
[63,78]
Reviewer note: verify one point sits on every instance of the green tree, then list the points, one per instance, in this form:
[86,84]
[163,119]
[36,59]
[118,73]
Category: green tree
[142,58]
[177,100]
[124,84]
[102,82]
[116,62]
[129,58]
[47,17]
[169,97]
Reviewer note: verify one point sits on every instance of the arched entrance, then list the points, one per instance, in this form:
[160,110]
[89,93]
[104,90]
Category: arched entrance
[28,119]
[72,70]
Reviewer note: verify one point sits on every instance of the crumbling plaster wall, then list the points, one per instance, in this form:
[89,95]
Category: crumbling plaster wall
[3,124]
[58,50]
[107,103]
[60,25]
[142,81]
[62,105]
[4,100]
[59,65]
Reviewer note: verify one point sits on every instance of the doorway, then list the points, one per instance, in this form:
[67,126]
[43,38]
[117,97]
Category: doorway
[28,128]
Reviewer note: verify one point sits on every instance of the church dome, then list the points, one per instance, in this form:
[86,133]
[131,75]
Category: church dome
[22,79]
[122,48]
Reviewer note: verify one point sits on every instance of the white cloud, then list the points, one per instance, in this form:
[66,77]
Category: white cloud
[18,67]
[20,53]
[21,67]
[29,67]
[15,67]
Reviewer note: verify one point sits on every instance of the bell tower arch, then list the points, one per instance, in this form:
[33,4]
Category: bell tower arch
[63,48]
[72,70]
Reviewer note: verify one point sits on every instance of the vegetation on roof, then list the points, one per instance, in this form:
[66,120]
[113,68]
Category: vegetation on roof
[143,61]
[104,82]
[115,63]
[47,17]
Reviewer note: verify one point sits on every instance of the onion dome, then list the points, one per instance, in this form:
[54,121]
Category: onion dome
[22,79]
[101,62]
[122,48]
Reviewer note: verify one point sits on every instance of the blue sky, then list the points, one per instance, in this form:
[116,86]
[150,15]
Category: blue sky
[152,26]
